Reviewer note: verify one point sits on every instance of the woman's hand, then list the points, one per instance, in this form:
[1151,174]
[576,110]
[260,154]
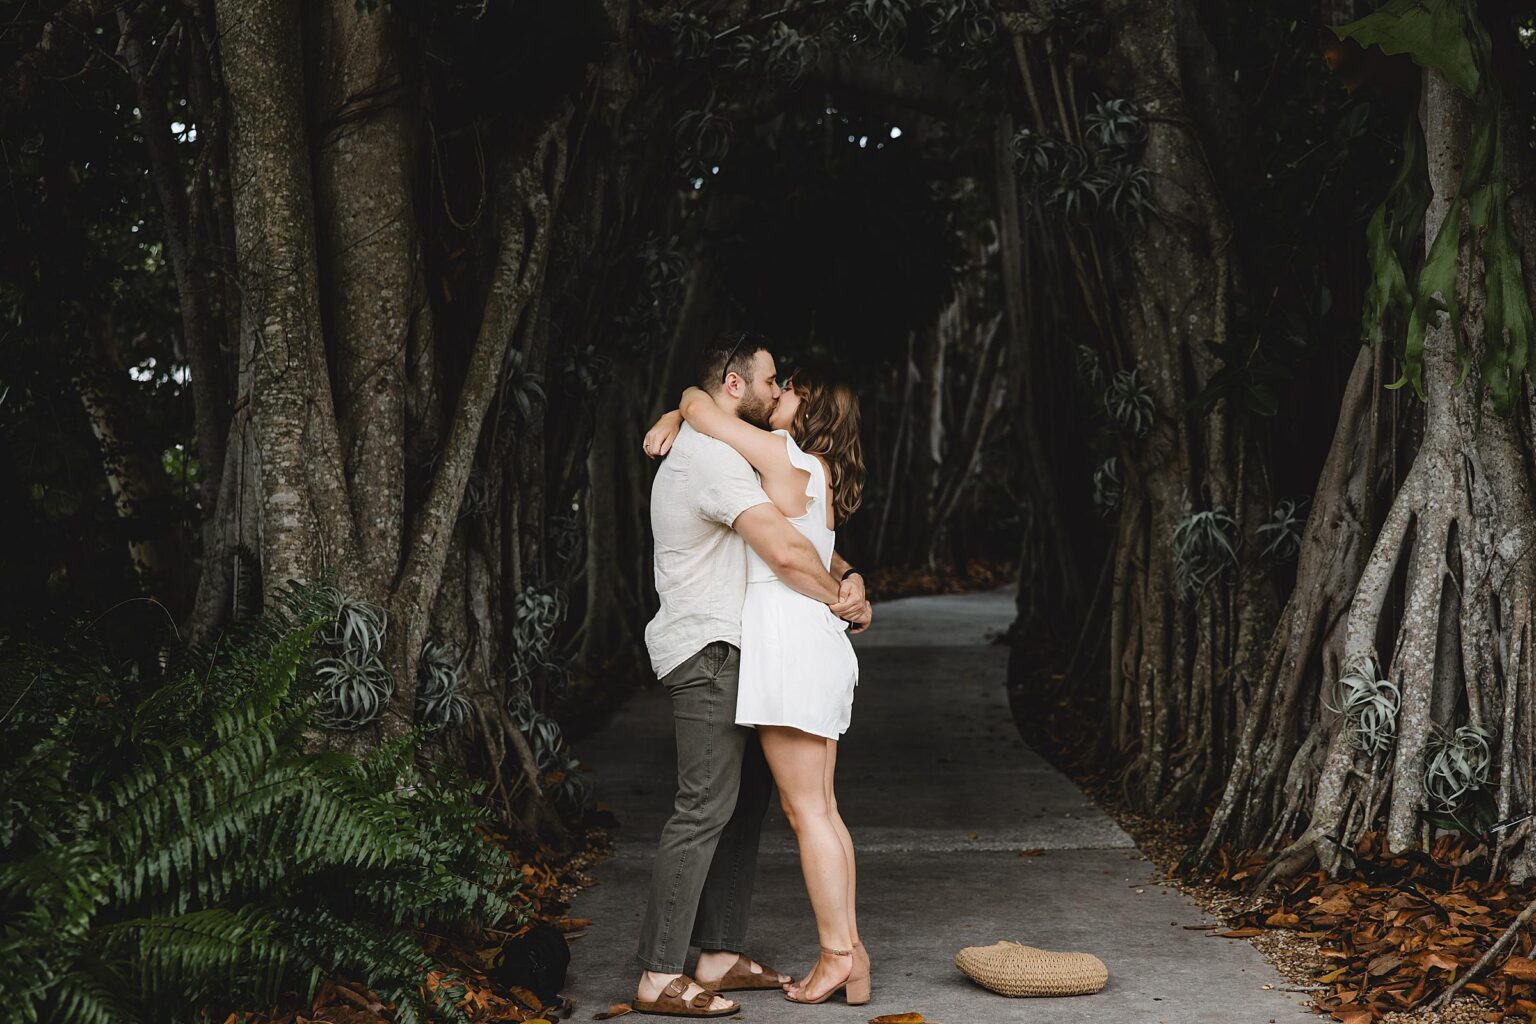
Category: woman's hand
[658,440]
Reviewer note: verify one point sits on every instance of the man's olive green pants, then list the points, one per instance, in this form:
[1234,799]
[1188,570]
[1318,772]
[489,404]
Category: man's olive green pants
[701,885]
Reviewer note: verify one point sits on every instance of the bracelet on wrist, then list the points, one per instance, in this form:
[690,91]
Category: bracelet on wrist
[851,571]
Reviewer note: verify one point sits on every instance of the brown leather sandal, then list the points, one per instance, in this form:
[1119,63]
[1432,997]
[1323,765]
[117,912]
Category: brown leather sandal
[671,1003]
[741,979]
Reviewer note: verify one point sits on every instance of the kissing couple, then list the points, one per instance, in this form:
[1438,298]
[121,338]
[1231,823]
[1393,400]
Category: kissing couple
[751,642]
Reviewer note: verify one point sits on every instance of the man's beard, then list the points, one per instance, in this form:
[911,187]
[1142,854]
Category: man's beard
[754,410]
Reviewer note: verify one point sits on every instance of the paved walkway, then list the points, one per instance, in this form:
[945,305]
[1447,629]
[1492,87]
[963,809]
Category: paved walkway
[941,797]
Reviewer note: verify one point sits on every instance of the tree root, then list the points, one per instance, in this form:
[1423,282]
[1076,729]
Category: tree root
[1487,958]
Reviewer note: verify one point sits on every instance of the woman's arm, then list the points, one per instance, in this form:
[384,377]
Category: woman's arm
[764,449]
[658,440]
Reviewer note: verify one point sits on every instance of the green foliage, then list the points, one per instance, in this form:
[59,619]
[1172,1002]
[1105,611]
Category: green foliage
[170,849]
[1447,37]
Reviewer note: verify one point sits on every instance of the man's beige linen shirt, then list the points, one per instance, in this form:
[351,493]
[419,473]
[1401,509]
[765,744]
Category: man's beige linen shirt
[701,563]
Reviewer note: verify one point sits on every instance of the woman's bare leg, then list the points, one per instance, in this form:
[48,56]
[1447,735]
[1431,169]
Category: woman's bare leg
[799,763]
[846,841]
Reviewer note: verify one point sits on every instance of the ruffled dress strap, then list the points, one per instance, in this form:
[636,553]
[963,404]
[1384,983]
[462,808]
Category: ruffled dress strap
[816,486]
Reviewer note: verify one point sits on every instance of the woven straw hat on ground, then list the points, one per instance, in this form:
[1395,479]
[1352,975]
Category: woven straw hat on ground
[1012,969]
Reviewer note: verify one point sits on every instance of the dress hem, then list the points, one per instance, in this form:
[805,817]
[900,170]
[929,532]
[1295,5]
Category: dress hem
[791,725]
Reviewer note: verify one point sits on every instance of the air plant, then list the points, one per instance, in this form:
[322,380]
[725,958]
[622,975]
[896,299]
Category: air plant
[1369,705]
[354,691]
[1129,403]
[966,26]
[1456,764]
[885,21]
[353,683]
[663,265]
[1115,123]
[519,386]
[478,495]
[440,701]
[355,625]
[1075,189]
[566,533]
[788,52]
[1204,546]
[1124,192]
[1090,366]
[1106,487]
[1281,535]
[560,769]
[692,38]
[585,369]
[703,138]
[1036,155]
[537,617]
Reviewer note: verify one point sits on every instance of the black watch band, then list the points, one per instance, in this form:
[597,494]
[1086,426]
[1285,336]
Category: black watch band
[850,572]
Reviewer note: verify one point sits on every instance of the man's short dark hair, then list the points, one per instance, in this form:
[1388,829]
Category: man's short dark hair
[731,351]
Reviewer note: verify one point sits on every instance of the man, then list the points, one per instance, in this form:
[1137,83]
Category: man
[706,507]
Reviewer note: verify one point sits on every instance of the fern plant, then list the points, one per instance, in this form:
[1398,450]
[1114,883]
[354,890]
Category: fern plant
[174,849]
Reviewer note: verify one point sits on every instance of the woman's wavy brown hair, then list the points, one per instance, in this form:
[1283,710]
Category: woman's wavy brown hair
[827,424]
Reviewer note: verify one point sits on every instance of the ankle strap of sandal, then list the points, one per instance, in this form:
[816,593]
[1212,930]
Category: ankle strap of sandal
[837,952]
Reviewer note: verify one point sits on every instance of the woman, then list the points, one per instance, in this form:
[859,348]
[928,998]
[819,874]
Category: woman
[798,669]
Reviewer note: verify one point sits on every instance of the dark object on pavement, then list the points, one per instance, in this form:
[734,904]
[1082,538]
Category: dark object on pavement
[536,960]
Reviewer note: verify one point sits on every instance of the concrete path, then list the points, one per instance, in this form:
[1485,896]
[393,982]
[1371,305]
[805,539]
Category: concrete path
[941,797]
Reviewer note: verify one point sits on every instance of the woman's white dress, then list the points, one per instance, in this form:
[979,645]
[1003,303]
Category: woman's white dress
[797,664]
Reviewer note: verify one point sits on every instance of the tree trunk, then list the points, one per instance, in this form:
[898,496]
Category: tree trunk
[369,263]
[306,522]
[1458,537]
[1180,662]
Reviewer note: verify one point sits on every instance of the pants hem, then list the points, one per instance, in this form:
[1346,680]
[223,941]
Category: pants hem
[659,968]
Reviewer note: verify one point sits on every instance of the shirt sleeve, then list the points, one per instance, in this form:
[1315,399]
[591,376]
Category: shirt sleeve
[724,484]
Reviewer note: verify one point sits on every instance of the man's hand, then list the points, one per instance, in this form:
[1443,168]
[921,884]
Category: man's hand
[860,620]
[850,597]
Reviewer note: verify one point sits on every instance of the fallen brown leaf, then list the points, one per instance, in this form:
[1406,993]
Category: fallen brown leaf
[616,1010]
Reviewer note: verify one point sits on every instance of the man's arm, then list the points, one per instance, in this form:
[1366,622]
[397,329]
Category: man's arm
[787,551]
[851,599]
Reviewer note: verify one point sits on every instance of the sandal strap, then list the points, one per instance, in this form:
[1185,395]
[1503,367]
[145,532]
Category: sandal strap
[677,986]
[837,952]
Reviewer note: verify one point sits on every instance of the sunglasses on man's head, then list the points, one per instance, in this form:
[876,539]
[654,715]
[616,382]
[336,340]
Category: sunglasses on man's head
[725,372]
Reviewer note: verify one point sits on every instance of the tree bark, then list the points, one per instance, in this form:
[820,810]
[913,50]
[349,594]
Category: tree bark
[528,188]
[370,263]
[1179,660]
[306,522]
